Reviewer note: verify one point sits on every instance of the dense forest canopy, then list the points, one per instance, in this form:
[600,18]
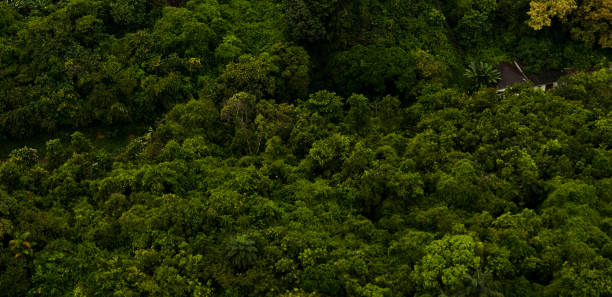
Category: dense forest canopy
[304,148]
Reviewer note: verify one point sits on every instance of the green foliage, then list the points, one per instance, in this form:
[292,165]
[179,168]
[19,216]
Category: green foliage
[26,156]
[302,148]
[445,263]
[303,25]
[457,194]
[358,117]
[282,72]
[326,104]
[374,70]
[482,75]
[321,279]
[242,252]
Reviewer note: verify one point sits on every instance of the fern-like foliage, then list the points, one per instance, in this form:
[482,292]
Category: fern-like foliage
[242,252]
[482,75]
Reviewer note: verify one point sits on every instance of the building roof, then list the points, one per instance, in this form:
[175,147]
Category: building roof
[546,77]
[510,75]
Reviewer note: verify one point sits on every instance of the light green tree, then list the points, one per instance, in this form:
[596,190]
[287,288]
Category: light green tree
[446,263]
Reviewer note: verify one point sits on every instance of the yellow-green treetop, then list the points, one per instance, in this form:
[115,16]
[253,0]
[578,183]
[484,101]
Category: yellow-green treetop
[541,12]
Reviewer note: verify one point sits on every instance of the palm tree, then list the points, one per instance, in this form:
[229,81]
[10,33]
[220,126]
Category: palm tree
[242,251]
[482,74]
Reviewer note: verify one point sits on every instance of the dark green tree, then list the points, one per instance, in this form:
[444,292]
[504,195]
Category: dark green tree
[242,251]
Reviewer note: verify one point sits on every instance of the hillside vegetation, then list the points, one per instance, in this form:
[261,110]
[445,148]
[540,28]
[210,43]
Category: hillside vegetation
[304,148]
